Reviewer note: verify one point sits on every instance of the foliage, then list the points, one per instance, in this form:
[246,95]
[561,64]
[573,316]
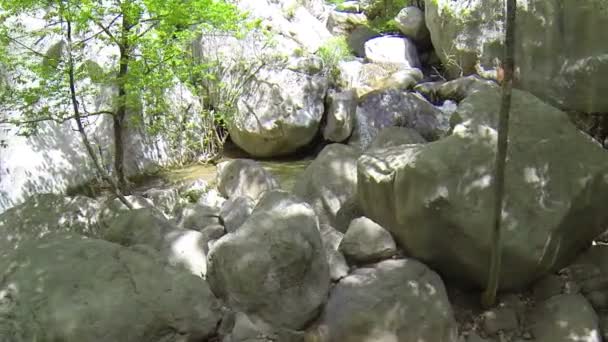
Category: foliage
[147,52]
[332,53]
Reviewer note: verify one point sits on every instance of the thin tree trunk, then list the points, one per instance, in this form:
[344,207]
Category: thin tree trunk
[77,117]
[489,296]
[121,111]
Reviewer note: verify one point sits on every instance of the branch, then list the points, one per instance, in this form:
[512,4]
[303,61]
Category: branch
[50,118]
[107,32]
[98,33]
[39,54]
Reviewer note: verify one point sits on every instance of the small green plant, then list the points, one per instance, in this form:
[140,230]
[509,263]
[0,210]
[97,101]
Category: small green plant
[333,52]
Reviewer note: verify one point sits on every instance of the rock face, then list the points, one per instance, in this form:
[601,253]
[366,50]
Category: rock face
[367,241]
[341,109]
[66,288]
[392,107]
[244,177]
[235,212]
[393,50]
[279,112]
[559,57]
[331,241]
[394,300]
[395,136]
[145,227]
[564,318]
[274,265]
[410,22]
[329,181]
[552,196]
[47,213]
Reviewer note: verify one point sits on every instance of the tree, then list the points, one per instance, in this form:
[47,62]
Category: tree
[150,40]
[489,296]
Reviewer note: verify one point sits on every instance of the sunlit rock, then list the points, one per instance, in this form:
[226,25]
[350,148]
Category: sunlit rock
[340,115]
[71,289]
[366,241]
[244,177]
[329,181]
[394,300]
[393,50]
[274,265]
[437,198]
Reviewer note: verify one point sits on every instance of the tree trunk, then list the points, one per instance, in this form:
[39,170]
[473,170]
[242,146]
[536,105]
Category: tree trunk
[489,296]
[77,117]
[121,110]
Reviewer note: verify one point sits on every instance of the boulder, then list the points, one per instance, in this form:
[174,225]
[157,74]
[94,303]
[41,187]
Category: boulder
[71,289]
[559,58]
[235,212]
[274,265]
[553,197]
[392,50]
[590,272]
[329,181]
[358,37]
[211,198]
[410,21]
[565,318]
[395,136]
[163,199]
[307,30]
[278,112]
[244,177]
[394,300]
[458,89]
[387,108]
[178,247]
[210,235]
[46,213]
[331,238]
[196,216]
[342,23]
[341,108]
[366,241]
[247,328]
[112,208]
[349,211]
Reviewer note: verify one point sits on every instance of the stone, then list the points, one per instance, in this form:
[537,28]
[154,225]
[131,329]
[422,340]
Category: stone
[274,266]
[394,300]
[458,89]
[329,181]
[416,191]
[64,287]
[112,208]
[429,90]
[341,108]
[564,317]
[358,37]
[178,247]
[388,108]
[559,59]
[235,211]
[196,217]
[366,241]
[395,136]
[392,50]
[410,21]
[500,319]
[307,30]
[589,273]
[42,214]
[338,268]
[163,199]
[210,234]
[547,287]
[278,112]
[246,328]
[349,211]
[342,23]
[244,177]
[211,198]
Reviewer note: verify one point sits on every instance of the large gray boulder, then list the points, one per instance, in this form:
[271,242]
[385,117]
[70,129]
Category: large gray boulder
[164,200]
[410,21]
[395,136]
[235,211]
[388,108]
[274,265]
[436,199]
[194,216]
[146,227]
[590,272]
[392,50]
[71,289]
[46,213]
[244,177]
[366,241]
[394,300]
[342,23]
[341,109]
[560,56]
[329,181]
[338,268]
[111,208]
[565,318]
[279,112]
